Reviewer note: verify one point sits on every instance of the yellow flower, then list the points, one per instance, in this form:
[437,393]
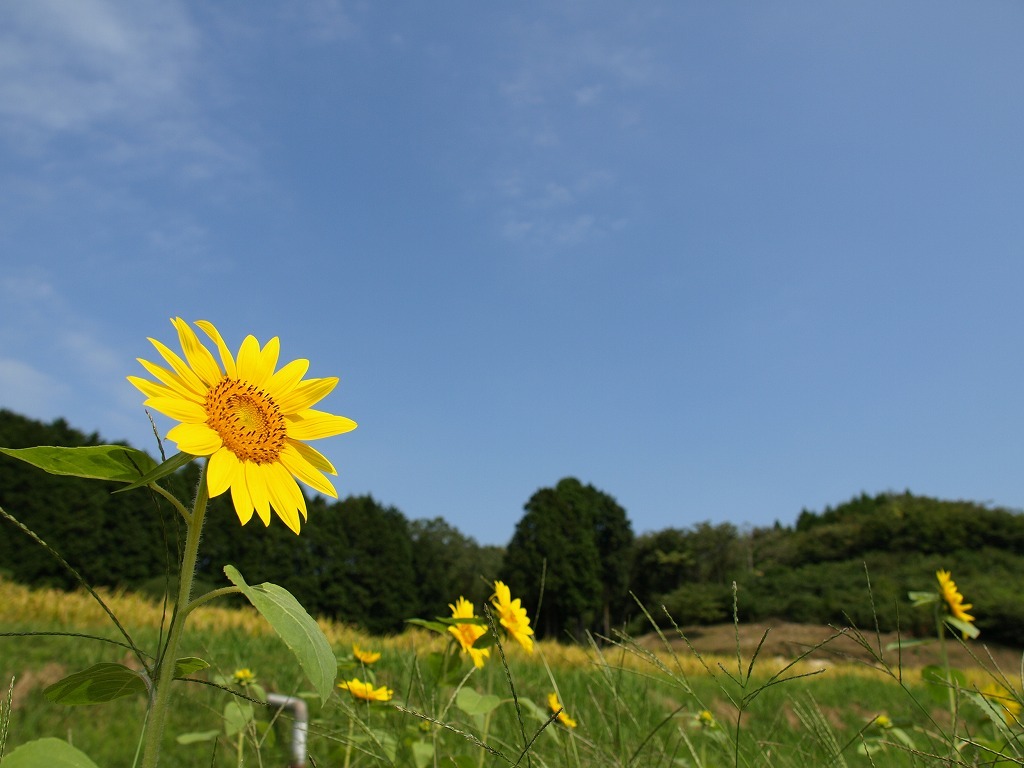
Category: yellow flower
[512,615]
[248,419]
[563,718]
[243,676]
[998,695]
[366,657]
[467,634]
[366,691]
[884,721]
[706,719]
[957,607]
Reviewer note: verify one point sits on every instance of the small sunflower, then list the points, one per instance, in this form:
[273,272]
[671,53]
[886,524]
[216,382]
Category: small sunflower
[243,677]
[512,615]
[249,419]
[468,634]
[563,716]
[365,657]
[957,607]
[366,691]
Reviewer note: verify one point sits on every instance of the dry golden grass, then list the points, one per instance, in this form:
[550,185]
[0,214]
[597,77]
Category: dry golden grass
[78,611]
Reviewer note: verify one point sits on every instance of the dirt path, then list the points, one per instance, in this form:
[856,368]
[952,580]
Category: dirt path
[789,640]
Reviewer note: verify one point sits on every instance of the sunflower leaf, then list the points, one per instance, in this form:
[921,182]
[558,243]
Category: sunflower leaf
[296,628]
[47,753]
[94,462]
[172,465]
[99,683]
[186,665]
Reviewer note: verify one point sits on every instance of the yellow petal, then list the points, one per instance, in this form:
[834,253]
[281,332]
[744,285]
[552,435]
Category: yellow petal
[199,358]
[248,363]
[241,498]
[223,472]
[257,485]
[313,456]
[313,425]
[283,382]
[297,465]
[306,394]
[173,382]
[186,374]
[177,408]
[225,354]
[197,439]
[151,388]
[281,499]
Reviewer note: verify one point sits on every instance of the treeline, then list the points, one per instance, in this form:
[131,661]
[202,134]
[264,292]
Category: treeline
[574,558]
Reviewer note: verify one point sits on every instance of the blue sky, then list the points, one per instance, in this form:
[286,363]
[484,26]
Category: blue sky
[724,261]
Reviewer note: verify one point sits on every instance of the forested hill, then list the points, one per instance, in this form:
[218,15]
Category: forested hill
[362,561]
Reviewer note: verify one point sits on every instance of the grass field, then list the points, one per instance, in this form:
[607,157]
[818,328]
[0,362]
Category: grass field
[651,702]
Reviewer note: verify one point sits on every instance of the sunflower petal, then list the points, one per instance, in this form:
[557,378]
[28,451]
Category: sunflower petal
[151,388]
[241,497]
[314,457]
[225,354]
[313,425]
[177,408]
[187,376]
[197,439]
[306,394]
[173,381]
[199,358]
[223,472]
[278,481]
[297,465]
[256,482]
[284,381]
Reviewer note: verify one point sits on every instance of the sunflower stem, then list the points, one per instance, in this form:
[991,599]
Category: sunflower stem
[161,693]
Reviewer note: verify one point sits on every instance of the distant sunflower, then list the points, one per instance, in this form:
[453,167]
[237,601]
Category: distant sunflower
[957,607]
[467,634]
[366,691]
[512,615]
[563,716]
[364,656]
[248,419]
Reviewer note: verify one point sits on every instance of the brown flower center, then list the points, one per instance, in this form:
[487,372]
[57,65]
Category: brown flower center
[247,420]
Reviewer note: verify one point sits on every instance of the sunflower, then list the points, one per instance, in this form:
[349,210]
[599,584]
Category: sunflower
[366,691]
[364,656]
[563,716]
[957,607]
[249,419]
[512,615]
[467,634]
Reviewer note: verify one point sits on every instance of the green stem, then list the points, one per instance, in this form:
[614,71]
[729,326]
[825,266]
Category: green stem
[944,656]
[213,594]
[161,694]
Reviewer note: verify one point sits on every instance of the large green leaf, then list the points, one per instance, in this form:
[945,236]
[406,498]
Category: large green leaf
[95,462]
[98,684]
[47,753]
[473,703]
[297,628]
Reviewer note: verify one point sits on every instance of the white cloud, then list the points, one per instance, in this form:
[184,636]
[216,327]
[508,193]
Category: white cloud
[67,65]
[25,389]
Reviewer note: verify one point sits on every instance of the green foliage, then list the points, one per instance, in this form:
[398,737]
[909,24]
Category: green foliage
[296,628]
[573,544]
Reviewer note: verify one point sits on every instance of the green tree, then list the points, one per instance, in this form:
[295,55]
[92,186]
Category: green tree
[557,549]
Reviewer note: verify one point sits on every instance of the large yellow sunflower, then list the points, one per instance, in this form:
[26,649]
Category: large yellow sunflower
[249,419]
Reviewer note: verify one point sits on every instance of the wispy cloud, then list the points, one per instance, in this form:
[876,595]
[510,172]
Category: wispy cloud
[68,65]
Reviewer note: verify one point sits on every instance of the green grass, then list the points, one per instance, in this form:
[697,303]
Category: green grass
[634,707]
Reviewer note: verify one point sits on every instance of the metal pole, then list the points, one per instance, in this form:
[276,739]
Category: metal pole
[300,724]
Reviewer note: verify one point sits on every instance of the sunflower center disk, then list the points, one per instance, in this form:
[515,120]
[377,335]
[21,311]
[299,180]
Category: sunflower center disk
[247,420]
